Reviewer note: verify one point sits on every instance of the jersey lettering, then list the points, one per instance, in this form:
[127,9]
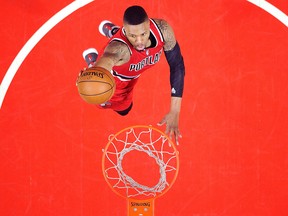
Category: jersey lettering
[149,60]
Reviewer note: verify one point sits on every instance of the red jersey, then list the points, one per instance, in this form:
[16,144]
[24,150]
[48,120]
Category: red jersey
[139,60]
[128,73]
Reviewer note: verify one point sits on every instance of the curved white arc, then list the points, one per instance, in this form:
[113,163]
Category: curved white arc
[32,42]
[271,9]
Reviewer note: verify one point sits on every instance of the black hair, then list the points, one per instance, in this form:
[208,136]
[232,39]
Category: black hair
[135,15]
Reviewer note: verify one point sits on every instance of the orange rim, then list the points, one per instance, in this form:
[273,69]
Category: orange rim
[147,127]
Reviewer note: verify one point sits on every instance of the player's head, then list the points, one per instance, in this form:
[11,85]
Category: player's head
[137,26]
[135,15]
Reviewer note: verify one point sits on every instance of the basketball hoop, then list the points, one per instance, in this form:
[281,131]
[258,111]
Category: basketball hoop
[140,163]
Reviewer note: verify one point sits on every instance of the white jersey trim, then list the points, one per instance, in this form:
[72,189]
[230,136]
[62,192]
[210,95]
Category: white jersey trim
[159,32]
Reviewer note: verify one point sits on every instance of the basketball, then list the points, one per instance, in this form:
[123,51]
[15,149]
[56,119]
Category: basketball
[96,85]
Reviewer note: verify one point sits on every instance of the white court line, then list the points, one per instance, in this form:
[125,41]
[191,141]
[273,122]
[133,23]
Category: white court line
[32,42]
[271,9]
[43,30]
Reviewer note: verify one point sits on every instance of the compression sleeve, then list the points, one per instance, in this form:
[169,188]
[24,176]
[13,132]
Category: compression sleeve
[177,70]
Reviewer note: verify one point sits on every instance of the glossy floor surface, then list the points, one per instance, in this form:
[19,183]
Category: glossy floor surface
[233,154]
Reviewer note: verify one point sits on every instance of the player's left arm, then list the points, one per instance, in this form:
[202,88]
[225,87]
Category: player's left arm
[177,72]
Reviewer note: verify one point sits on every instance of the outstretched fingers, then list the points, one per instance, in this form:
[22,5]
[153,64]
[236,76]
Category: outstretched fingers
[171,130]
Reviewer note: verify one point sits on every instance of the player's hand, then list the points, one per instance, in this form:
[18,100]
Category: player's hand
[171,120]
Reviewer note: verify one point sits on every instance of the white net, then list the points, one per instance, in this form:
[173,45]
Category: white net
[149,141]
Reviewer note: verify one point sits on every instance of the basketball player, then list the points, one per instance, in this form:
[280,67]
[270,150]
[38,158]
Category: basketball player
[131,50]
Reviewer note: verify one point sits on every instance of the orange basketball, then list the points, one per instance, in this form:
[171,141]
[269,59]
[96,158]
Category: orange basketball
[96,85]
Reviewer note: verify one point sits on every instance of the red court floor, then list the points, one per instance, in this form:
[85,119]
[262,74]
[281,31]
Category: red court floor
[234,119]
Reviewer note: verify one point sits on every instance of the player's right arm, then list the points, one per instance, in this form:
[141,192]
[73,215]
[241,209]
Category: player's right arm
[116,53]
